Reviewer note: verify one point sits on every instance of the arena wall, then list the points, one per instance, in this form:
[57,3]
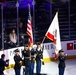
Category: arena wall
[69,48]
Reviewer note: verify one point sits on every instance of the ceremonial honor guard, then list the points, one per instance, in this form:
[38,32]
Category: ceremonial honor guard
[27,60]
[3,64]
[61,65]
[33,56]
[18,62]
[39,58]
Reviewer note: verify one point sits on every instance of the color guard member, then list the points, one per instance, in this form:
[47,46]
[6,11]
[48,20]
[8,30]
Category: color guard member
[62,58]
[39,58]
[27,60]
[18,62]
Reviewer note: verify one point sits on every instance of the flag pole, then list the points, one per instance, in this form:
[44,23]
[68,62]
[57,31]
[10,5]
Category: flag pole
[29,7]
[43,39]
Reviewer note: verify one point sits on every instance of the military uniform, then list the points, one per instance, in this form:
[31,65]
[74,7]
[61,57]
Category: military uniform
[17,66]
[33,53]
[27,61]
[38,60]
[61,63]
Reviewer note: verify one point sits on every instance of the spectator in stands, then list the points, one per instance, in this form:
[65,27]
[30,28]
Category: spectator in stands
[21,28]
[22,40]
[13,38]
[3,64]
[5,40]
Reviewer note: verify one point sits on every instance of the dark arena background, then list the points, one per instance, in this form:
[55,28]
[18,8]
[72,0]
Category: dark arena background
[14,16]
[42,13]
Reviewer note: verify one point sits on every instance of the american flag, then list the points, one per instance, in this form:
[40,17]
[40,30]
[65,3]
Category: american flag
[29,28]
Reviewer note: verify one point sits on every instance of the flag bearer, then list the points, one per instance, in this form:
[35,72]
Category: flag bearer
[27,60]
[33,56]
[39,58]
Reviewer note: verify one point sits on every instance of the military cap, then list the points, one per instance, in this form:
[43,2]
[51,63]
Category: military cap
[26,45]
[61,50]
[16,50]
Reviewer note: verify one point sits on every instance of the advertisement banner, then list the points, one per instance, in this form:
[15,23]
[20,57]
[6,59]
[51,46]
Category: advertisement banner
[48,52]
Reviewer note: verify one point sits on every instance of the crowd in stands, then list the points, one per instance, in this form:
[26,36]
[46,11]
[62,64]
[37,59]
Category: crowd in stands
[11,39]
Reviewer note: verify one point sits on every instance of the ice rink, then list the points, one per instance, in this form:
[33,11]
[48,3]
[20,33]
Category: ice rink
[51,68]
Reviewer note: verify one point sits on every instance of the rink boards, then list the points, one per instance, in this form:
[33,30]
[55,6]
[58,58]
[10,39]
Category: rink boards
[48,54]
